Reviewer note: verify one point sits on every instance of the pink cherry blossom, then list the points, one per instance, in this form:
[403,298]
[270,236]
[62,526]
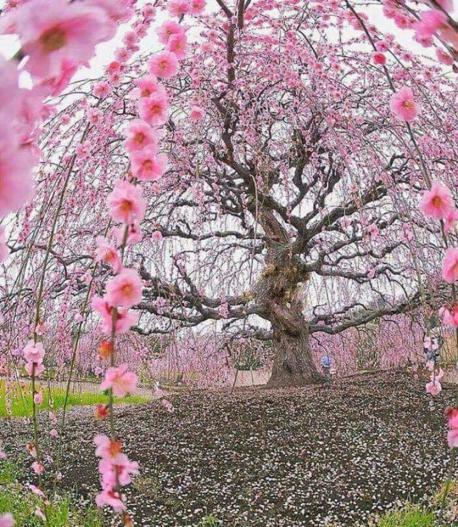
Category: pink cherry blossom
[55,85]
[403,105]
[452,438]
[434,387]
[451,221]
[449,316]
[196,113]
[444,58]
[147,165]
[139,136]
[6,520]
[101,89]
[402,21]
[164,65]
[118,11]
[148,11]
[169,28]
[197,7]
[437,202]
[125,318]
[431,21]
[94,115]
[16,182]
[35,490]
[120,380]
[147,86]
[38,468]
[38,398]
[382,46]
[112,498]
[34,352]
[108,254]
[154,109]
[106,447]
[51,31]
[156,236]
[125,289]
[126,202]
[179,7]
[378,58]
[117,466]
[450,265]
[177,44]
[34,368]
[452,417]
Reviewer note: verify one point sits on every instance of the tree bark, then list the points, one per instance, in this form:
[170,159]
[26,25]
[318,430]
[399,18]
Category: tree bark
[278,290]
[293,363]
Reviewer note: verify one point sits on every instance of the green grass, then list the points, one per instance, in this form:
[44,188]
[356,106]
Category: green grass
[410,516]
[210,521]
[21,503]
[21,399]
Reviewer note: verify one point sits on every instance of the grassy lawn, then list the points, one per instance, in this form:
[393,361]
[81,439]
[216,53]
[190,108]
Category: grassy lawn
[16,499]
[410,516]
[21,399]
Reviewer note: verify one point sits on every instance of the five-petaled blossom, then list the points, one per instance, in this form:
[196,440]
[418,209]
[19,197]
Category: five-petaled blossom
[147,165]
[438,202]
[107,253]
[154,109]
[125,289]
[119,380]
[140,135]
[164,64]
[52,31]
[403,105]
[33,355]
[126,202]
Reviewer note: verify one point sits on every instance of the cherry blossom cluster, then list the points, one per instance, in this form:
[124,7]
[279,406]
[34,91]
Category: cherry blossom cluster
[429,24]
[438,203]
[127,206]
[56,38]
[116,470]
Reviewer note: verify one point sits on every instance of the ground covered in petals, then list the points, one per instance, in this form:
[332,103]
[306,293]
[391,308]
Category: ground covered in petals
[314,457]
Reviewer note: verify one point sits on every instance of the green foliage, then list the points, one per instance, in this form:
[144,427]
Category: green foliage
[409,516]
[210,521]
[22,503]
[9,472]
[21,404]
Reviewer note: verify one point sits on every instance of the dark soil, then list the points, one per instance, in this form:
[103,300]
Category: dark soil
[330,455]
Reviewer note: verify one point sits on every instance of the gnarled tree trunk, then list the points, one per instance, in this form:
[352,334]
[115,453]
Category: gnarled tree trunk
[278,290]
[293,364]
